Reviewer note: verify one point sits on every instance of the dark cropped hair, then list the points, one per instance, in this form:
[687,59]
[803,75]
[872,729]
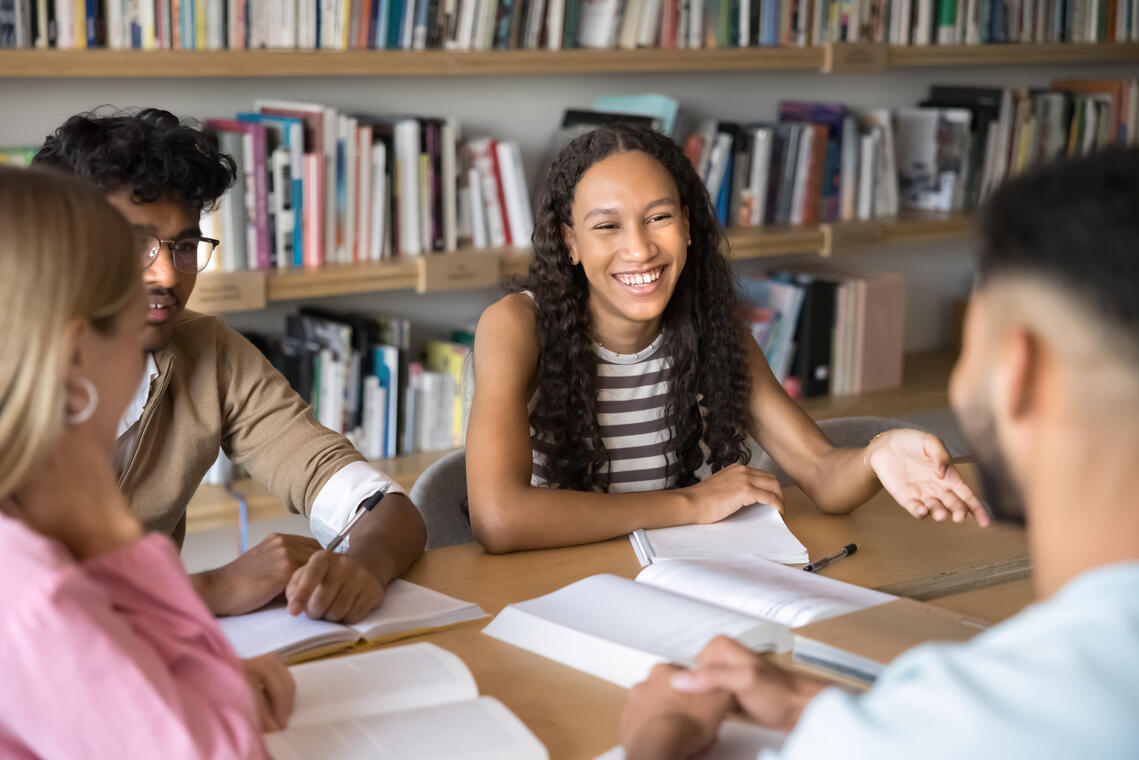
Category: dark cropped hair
[152,152]
[708,378]
[1075,223]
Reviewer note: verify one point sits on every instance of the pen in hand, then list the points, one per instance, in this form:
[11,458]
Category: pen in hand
[819,564]
[366,506]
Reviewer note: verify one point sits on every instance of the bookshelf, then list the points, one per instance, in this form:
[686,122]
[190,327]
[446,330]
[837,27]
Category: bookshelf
[833,57]
[223,292]
[923,388]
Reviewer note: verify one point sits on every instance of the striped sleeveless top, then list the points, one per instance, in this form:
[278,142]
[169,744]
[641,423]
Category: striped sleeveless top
[631,393]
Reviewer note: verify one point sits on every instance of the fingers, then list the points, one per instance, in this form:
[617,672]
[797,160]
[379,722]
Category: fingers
[765,488]
[307,580]
[957,508]
[344,597]
[264,713]
[976,508]
[916,508]
[723,651]
[280,689]
[368,600]
[734,679]
[938,454]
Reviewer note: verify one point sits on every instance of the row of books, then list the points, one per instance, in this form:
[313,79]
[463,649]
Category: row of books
[358,374]
[316,187]
[553,24]
[822,162]
[975,22]
[827,330]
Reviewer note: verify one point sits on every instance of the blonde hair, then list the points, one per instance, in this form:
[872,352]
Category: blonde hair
[65,252]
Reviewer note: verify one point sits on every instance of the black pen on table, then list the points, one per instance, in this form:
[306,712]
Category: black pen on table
[819,564]
[366,506]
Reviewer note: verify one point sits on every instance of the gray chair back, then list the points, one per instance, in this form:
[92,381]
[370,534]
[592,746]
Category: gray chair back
[844,432]
[440,495]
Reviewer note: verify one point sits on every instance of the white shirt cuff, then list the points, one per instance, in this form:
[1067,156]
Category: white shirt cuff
[341,496]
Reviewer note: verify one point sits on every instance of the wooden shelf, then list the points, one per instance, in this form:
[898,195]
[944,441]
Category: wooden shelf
[309,63]
[219,292]
[924,386]
[1013,54]
[926,376]
[372,63]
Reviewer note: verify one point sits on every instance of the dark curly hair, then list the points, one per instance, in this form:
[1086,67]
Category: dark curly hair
[708,377]
[152,152]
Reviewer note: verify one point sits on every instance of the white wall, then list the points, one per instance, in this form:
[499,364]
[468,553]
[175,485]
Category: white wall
[527,110]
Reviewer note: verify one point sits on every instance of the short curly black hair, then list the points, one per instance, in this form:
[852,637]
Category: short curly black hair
[151,151]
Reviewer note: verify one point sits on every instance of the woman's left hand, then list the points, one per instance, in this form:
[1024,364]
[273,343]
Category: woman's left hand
[915,468]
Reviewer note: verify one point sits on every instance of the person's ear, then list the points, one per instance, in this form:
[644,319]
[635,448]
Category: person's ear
[570,240]
[687,227]
[1020,373]
[76,337]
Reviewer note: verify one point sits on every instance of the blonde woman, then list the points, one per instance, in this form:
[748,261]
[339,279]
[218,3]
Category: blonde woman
[106,650]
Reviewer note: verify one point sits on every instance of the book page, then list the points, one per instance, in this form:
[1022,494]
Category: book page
[478,729]
[410,607]
[766,590]
[385,680]
[758,530]
[736,740]
[617,629]
[273,629]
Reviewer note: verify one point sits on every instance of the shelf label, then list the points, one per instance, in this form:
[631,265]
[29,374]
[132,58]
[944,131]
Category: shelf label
[440,272]
[217,292]
[841,235]
[855,57]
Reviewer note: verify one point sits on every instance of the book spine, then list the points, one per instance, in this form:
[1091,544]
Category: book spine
[500,190]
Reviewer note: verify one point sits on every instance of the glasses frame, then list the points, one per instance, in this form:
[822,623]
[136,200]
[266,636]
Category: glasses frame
[170,249]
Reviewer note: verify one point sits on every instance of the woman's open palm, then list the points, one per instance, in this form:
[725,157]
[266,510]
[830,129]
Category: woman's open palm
[915,468]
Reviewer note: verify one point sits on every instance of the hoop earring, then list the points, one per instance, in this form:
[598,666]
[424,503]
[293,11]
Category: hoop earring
[78,418]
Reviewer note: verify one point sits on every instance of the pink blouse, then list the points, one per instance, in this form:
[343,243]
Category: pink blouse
[115,657]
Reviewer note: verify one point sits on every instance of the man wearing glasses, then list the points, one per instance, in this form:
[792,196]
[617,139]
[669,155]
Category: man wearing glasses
[206,386]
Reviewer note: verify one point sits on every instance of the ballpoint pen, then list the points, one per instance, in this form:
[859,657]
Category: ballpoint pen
[365,506]
[819,564]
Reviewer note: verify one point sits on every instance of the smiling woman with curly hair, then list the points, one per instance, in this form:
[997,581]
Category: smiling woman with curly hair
[624,367]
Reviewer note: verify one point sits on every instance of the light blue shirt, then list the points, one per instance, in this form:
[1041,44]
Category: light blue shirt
[1059,680]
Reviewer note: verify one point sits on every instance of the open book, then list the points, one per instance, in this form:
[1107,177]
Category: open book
[414,701]
[758,530]
[735,740]
[618,629]
[408,609]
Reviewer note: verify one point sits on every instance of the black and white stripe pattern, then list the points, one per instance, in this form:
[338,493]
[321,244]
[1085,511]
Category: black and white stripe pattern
[632,390]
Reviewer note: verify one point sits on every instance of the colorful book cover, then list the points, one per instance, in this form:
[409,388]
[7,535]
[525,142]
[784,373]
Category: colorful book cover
[292,135]
[831,116]
[451,358]
[311,210]
[260,183]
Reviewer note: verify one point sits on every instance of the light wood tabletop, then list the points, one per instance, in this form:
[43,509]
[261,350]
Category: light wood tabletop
[576,715]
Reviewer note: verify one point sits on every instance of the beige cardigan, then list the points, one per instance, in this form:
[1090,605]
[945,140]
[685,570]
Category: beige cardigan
[214,388]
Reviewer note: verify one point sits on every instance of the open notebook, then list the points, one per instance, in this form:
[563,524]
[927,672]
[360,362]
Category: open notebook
[618,629]
[407,609]
[758,530]
[735,740]
[415,701]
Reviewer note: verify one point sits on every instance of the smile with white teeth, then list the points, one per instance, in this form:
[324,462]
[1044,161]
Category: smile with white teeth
[641,278]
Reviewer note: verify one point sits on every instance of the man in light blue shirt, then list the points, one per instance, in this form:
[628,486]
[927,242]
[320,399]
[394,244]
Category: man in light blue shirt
[1047,390]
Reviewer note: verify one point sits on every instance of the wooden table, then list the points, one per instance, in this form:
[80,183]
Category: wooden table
[575,715]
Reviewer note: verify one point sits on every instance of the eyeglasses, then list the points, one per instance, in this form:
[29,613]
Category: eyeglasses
[188,254]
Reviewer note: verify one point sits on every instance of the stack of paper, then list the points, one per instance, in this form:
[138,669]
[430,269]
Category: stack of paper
[757,530]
